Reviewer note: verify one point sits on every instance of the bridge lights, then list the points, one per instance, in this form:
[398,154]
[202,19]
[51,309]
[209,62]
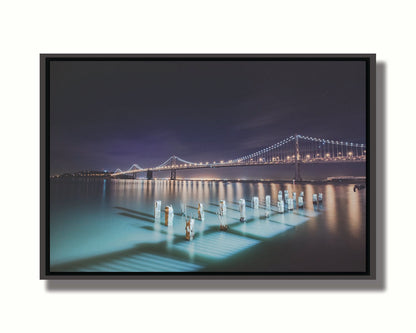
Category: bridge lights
[222,161]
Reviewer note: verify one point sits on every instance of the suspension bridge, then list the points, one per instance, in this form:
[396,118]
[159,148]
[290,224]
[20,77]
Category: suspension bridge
[296,149]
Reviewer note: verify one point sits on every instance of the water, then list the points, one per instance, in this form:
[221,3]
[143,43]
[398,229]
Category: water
[108,225]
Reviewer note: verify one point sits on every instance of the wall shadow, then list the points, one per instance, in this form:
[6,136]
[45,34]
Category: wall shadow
[318,284]
[381,175]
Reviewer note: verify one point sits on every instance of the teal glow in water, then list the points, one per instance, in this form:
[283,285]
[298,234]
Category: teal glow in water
[263,229]
[144,262]
[218,245]
[109,226]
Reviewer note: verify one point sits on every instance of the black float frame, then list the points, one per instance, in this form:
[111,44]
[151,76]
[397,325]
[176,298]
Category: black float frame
[369,274]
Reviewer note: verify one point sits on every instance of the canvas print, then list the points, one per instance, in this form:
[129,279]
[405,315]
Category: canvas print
[172,165]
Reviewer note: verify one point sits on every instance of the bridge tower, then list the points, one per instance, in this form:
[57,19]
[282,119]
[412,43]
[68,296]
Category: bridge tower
[297,158]
[174,162]
[149,174]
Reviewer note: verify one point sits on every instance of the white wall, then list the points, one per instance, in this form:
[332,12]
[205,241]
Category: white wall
[32,27]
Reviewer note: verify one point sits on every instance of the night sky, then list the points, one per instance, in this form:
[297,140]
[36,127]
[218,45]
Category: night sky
[111,114]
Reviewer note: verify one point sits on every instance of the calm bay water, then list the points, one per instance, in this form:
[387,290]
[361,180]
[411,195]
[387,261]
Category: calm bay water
[108,225]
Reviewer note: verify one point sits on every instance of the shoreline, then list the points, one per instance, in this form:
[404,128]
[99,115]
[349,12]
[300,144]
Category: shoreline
[285,181]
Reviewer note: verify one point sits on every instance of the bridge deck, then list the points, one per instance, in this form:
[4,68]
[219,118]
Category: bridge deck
[234,165]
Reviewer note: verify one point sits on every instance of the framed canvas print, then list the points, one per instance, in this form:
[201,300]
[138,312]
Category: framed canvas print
[207,166]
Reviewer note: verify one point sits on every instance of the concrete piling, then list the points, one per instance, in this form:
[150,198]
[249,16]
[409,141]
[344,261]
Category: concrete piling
[242,206]
[189,229]
[168,215]
[201,214]
[183,208]
[268,205]
[158,207]
[223,208]
[256,202]
[280,207]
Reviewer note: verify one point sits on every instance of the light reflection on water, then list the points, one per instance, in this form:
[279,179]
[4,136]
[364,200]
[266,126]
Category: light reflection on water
[309,190]
[221,191]
[331,209]
[230,191]
[260,191]
[92,217]
[354,213]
